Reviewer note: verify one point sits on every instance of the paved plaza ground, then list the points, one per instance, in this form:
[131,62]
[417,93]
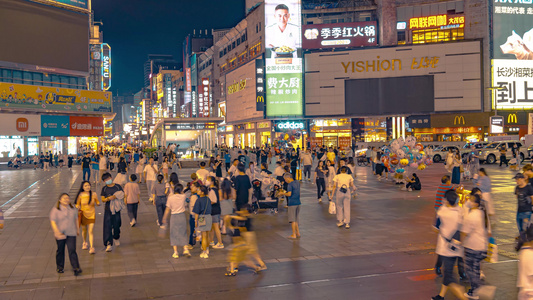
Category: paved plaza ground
[387,254]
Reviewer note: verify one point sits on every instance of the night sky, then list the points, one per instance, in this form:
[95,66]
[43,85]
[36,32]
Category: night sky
[136,28]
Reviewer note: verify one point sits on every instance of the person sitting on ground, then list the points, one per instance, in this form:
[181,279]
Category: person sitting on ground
[413,184]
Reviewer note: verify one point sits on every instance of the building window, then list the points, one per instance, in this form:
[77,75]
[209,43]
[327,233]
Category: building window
[233,45]
[438,35]
[401,38]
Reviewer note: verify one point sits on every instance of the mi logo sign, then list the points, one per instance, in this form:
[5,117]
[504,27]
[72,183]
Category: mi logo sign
[512,119]
[22,124]
[459,120]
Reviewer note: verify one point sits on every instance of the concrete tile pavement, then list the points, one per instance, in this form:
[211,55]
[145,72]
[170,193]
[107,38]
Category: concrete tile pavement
[386,221]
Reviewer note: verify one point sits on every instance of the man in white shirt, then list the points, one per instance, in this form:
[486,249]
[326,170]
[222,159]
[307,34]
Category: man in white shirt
[202,173]
[233,169]
[278,172]
[282,33]
[150,173]
[307,162]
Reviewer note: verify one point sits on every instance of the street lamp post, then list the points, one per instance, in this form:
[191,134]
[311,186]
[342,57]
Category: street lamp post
[495,89]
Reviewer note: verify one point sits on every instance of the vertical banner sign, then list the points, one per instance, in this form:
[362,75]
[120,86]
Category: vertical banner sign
[188,80]
[283,56]
[260,84]
[205,92]
[106,67]
[201,100]
[530,124]
[512,64]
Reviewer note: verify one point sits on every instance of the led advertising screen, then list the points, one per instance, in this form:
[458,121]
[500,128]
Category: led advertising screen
[512,64]
[283,58]
[339,35]
[46,39]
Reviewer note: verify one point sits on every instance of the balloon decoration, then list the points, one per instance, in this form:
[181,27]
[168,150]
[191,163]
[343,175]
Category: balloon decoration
[286,139]
[405,152]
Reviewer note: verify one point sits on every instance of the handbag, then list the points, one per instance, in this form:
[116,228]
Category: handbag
[343,189]
[332,208]
[201,219]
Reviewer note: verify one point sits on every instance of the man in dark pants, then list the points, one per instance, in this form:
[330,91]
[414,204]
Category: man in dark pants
[112,220]
[243,188]
[503,156]
[86,166]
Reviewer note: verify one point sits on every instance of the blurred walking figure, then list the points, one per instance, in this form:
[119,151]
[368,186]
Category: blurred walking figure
[449,248]
[244,248]
[160,198]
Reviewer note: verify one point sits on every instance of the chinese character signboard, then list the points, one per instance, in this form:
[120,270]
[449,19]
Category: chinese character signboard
[439,21]
[203,98]
[106,67]
[337,35]
[283,56]
[512,53]
[55,125]
[260,84]
[52,98]
[86,126]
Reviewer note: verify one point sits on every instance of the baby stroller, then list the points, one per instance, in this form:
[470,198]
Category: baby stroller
[265,198]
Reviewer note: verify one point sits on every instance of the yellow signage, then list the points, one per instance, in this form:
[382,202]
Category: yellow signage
[260,99]
[237,86]
[459,120]
[52,98]
[512,119]
[439,21]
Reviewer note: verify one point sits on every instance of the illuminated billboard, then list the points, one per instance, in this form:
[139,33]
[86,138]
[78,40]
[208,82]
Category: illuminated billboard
[33,97]
[283,58]
[338,35]
[106,66]
[512,53]
[75,3]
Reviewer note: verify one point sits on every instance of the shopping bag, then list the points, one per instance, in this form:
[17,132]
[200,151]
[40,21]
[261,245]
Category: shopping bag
[492,251]
[332,208]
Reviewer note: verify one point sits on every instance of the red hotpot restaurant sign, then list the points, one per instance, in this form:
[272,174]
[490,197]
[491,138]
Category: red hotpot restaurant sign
[86,126]
[340,35]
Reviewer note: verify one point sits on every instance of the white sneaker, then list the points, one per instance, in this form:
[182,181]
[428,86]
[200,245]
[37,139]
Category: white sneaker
[211,244]
[109,248]
[175,255]
[203,254]
[186,253]
[190,247]
[340,224]
[218,246]
[116,243]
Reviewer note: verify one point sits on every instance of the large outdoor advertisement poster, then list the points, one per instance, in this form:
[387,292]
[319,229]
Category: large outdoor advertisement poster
[25,96]
[283,54]
[512,64]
